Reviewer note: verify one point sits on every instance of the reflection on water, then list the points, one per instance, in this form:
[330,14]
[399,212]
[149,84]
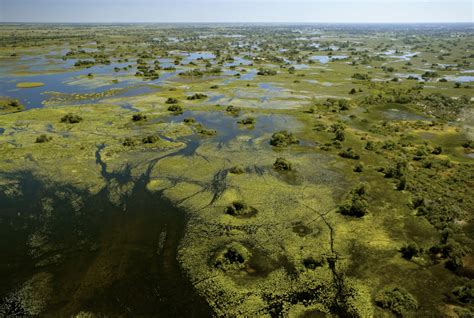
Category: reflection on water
[102,258]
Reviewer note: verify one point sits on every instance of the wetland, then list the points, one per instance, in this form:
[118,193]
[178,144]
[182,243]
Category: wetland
[218,170]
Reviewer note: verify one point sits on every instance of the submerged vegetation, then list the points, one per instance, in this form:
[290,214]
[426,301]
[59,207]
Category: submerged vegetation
[237,170]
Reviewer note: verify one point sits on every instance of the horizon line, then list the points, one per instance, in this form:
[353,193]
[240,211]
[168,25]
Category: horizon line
[236,22]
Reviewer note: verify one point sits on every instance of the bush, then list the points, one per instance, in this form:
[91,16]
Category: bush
[239,208]
[237,170]
[206,132]
[232,257]
[283,139]
[340,136]
[139,117]
[311,263]
[150,139]
[360,76]
[357,205]
[43,138]
[197,96]
[128,142]
[397,300]
[266,72]
[71,119]
[282,164]
[359,167]
[411,250]
[349,154]
[437,150]
[464,294]
[402,183]
[171,100]
[189,120]
[233,110]
[175,109]
[371,146]
[247,121]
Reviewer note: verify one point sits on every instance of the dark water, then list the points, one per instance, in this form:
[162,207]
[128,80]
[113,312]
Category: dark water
[113,259]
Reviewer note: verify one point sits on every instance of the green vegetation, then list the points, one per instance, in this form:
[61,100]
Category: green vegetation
[260,171]
[9,105]
[71,119]
[283,139]
[397,300]
[282,164]
[29,84]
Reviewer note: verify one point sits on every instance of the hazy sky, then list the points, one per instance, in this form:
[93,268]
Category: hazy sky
[236,10]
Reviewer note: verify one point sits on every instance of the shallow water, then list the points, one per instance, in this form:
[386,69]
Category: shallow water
[228,129]
[324,59]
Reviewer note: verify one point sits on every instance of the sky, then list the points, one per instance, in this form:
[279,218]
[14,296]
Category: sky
[312,11]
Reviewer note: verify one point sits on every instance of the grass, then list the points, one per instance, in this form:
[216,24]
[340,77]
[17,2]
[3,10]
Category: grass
[29,84]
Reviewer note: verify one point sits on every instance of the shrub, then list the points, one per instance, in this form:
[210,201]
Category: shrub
[189,120]
[464,294]
[282,164]
[356,205]
[437,150]
[283,139]
[411,250]
[340,135]
[206,132]
[360,76]
[171,100]
[359,167]
[71,119]
[233,110]
[311,263]
[197,96]
[402,183]
[236,170]
[239,208]
[139,117]
[150,139]
[247,121]
[42,139]
[128,142]
[266,72]
[232,257]
[175,109]
[371,146]
[349,154]
[397,300]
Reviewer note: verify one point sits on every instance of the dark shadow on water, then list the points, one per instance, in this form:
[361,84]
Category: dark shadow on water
[113,260]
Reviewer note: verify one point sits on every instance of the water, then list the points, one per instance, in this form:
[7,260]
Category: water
[215,98]
[270,87]
[406,56]
[401,113]
[324,59]
[101,257]
[228,129]
[461,79]
[193,56]
[238,61]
